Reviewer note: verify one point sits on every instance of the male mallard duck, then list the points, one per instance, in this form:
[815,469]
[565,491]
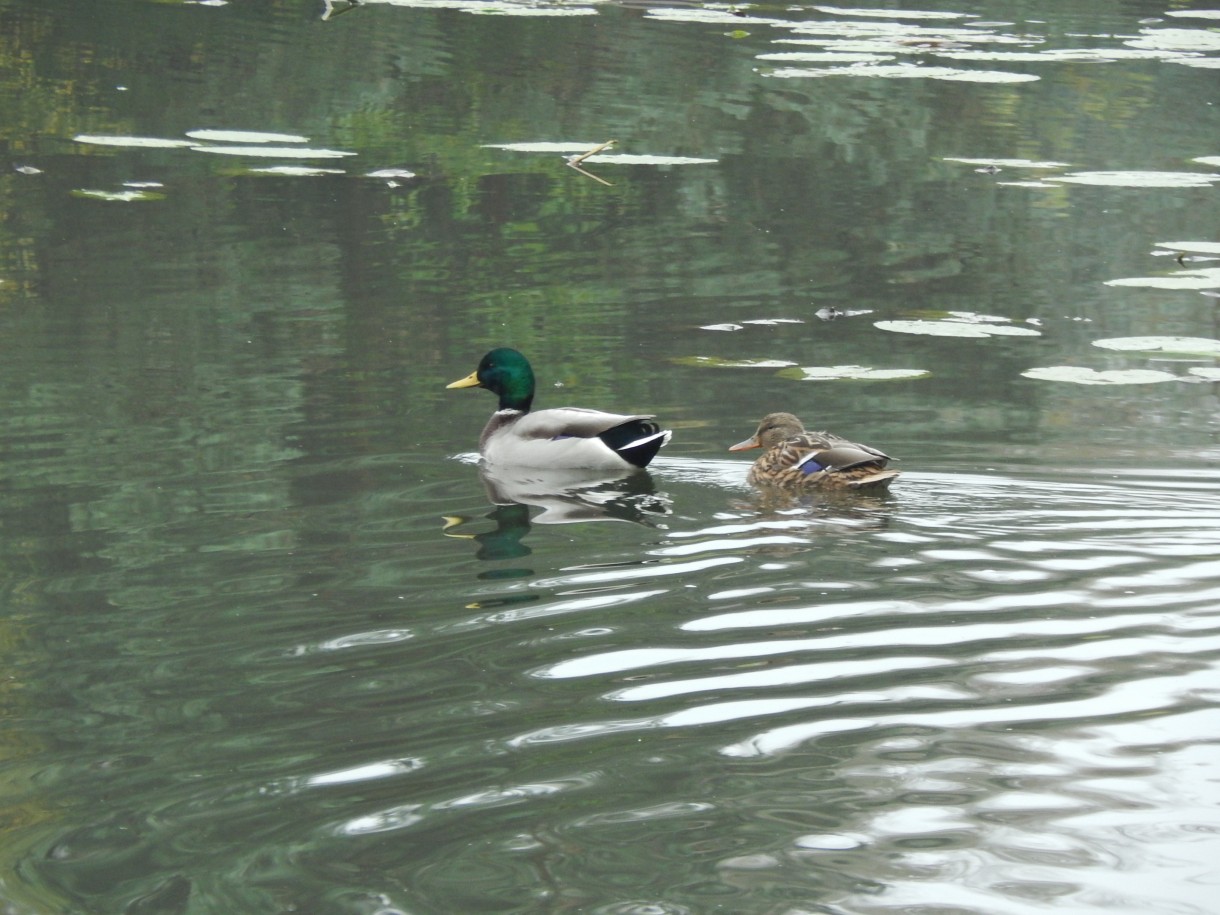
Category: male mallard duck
[799,459]
[564,437]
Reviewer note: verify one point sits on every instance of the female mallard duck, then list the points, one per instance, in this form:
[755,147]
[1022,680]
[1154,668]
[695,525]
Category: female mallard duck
[798,459]
[563,437]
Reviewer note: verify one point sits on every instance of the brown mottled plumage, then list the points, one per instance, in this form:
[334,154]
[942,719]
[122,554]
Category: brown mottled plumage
[797,459]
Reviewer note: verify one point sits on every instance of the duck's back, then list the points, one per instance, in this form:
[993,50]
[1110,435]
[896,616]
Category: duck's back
[571,437]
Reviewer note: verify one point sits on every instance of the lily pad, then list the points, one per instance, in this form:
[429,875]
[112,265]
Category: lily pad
[826,57]
[720,17]
[771,322]
[1008,163]
[1192,247]
[132,142]
[909,71]
[275,152]
[130,195]
[1182,346]
[1177,40]
[612,158]
[717,362]
[645,159]
[975,317]
[244,136]
[390,173]
[1208,160]
[833,312]
[1061,55]
[723,327]
[892,14]
[296,171]
[1078,375]
[1203,278]
[514,9]
[1140,179]
[955,328]
[1211,373]
[851,372]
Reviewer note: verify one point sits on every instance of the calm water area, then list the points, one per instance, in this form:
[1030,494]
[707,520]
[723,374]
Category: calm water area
[272,640]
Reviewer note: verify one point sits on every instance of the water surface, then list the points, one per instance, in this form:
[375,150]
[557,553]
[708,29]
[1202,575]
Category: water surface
[274,643]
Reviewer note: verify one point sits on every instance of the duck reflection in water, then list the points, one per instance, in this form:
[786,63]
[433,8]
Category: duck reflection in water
[565,497]
[851,510]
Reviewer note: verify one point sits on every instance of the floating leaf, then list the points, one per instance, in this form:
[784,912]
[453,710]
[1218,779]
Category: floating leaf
[1074,55]
[1203,278]
[390,173]
[1079,375]
[127,196]
[298,171]
[717,362]
[833,312]
[1182,346]
[275,152]
[244,136]
[1140,179]
[909,71]
[1008,163]
[134,142]
[542,146]
[826,57]
[851,372]
[1208,372]
[892,14]
[722,17]
[645,159]
[612,158]
[771,322]
[955,328]
[975,318]
[1194,247]
[727,327]
[1177,40]
[512,9]
[1208,160]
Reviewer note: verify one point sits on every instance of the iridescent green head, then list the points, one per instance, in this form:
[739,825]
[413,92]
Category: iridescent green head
[507,373]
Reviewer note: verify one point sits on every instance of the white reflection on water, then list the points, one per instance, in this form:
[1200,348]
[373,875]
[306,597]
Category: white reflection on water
[406,815]
[1012,674]
[638,658]
[1148,695]
[783,676]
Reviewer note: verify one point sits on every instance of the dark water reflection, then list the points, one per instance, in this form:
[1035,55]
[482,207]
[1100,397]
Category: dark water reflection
[273,642]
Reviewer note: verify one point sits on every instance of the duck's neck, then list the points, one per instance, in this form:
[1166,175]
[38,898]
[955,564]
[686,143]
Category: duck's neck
[516,389]
[519,404]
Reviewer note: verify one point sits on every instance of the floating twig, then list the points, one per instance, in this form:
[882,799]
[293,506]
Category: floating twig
[574,161]
[334,8]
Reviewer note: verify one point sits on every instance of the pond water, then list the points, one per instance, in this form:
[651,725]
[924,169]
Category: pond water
[273,642]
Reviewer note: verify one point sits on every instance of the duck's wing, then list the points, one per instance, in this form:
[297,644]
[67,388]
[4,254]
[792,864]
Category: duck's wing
[839,458]
[822,441]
